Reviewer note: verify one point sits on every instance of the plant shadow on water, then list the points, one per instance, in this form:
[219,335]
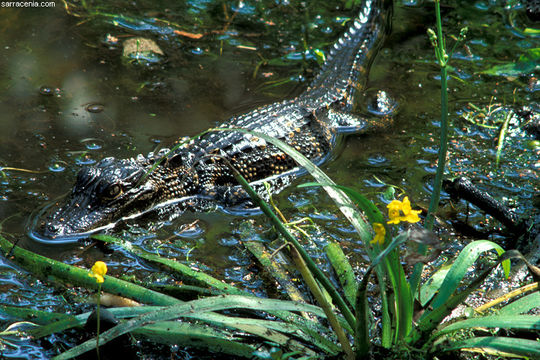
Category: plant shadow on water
[70,98]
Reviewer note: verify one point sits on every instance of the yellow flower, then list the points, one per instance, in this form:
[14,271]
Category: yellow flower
[98,270]
[396,207]
[380,232]
[393,211]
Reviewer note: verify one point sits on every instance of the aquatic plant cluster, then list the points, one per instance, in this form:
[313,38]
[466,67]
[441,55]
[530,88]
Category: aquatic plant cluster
[390,307]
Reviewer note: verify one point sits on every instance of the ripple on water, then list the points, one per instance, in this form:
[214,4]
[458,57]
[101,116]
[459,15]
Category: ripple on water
[93,143]
[57,166]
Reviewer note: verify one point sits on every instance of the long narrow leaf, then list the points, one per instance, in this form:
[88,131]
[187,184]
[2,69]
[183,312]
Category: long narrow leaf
[198,336]
[523,322]
[523,305]
[502,346]
[274,269]
[187,273]
[343,269]
[465,259]
[36,316]
[44,268]
[433,318]
[197,306]
[323,302]
[362,341]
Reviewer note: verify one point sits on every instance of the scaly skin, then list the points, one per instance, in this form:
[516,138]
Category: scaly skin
[190,178]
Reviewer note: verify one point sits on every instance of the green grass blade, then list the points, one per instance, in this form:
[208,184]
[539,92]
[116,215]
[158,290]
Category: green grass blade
[274,269]
[323,302]
[402,296]
[46,268]
[498,346]
[169,332]
[191,308]
[502,136]
[522,305]
[39,317]
[198,336]
[187,274]
[465,259]
[322,341]
[79,320]
[432,285]
[362,342]
[523,322]
[434,317]
[343,269]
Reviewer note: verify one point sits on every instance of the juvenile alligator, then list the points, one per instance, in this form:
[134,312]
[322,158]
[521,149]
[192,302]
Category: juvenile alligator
[191,178]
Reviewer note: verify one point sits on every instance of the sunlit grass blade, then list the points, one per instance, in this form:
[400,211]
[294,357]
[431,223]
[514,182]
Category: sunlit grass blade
[498,346]
[502,136]
[431,287]
[323,302]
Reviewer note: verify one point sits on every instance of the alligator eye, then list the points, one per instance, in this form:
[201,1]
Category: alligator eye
[112,191]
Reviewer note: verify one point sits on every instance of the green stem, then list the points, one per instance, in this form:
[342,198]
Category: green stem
[437,184]
[98,319]
[442,44]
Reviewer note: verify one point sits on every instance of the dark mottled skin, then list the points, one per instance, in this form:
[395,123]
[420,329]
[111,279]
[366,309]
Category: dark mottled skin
[190,177]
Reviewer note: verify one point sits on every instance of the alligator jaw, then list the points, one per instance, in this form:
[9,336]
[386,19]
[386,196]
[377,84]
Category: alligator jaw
[101,196]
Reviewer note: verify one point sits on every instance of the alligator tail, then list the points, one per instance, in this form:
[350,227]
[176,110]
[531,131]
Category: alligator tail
[347,64]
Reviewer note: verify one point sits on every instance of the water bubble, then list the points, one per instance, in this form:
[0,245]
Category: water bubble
[327,30]
[94,108]
[46,90]
[197,51]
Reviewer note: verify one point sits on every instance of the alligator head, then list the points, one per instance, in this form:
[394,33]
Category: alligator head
[103,194]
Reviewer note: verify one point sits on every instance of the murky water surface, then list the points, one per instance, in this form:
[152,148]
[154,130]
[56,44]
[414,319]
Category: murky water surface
[69,97]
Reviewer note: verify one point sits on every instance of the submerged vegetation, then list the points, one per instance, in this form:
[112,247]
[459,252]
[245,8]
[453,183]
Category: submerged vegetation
[406,315]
